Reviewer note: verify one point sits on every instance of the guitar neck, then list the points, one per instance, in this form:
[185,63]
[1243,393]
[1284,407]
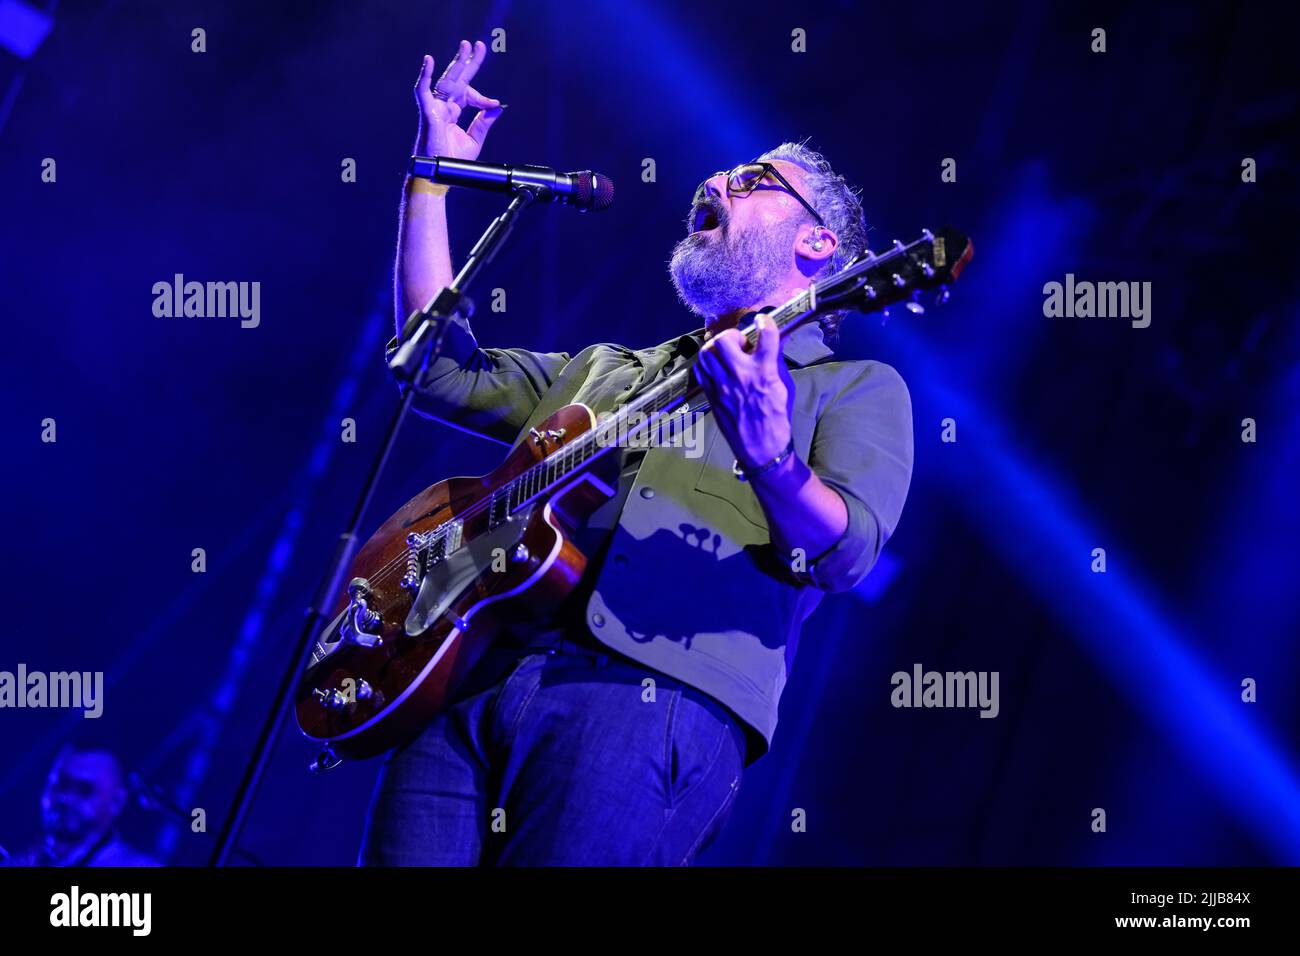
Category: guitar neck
[868,284]
[647,420]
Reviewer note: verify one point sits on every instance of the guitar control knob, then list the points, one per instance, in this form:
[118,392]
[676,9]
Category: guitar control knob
[364,690]
[521,552]
[331,699]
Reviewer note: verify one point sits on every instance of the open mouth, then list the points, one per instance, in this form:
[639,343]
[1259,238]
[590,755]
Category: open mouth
[705,218]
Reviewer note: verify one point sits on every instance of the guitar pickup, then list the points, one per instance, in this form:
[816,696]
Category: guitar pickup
[452,537]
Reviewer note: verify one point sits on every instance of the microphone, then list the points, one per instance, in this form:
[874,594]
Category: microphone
[583,190]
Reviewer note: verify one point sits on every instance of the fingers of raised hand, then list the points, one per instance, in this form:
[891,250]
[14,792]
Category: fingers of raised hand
[455,79]
[426,73]
[423,82]
[474,98]
[482,122]
[478,53]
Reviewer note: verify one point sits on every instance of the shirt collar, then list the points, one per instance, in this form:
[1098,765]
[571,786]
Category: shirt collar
[804,346]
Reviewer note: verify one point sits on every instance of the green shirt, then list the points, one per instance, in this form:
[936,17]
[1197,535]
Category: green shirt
[685,579]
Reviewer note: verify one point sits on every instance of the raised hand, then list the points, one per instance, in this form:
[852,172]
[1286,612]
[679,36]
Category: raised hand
[442,101]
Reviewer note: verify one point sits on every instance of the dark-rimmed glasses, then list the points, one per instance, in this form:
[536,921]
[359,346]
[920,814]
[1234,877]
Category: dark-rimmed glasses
[745,178]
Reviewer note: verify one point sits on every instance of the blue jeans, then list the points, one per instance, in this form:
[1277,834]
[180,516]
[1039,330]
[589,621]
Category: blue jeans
[559,757]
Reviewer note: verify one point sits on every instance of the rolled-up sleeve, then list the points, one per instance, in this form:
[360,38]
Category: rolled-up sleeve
[862,448]
[491,392]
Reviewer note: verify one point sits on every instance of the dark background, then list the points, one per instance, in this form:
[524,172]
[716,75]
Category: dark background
[1118,690]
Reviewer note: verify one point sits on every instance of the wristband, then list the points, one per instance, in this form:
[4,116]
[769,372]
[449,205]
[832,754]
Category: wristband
[744,474]
[419,185]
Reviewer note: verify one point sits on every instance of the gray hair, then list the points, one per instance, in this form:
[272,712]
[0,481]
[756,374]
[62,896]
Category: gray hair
[837,203]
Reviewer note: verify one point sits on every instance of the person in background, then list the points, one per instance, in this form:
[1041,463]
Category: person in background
[86,792]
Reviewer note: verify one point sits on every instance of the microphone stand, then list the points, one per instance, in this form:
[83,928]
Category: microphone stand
[152,798]
[423,335]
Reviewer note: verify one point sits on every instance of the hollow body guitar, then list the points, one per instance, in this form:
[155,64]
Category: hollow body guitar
[469,556]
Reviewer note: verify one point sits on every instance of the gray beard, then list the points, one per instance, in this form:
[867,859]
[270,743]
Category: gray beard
[717,274]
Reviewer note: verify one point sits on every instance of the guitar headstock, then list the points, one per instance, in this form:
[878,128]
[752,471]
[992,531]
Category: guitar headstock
[875,281]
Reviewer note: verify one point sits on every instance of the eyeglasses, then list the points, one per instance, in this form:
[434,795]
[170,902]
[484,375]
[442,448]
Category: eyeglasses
[744,179]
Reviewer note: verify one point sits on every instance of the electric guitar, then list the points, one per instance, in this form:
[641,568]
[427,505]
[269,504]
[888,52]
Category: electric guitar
[468,556]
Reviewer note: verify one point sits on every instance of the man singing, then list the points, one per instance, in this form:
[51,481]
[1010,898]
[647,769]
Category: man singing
[615,732]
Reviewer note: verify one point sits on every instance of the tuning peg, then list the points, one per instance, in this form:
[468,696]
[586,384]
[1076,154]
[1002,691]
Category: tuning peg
[884,316]
[928,270]
[915,306]
[943,295]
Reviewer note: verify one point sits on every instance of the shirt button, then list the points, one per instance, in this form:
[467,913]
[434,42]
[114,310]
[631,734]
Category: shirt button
[620,560]
[598,620]
[647,492]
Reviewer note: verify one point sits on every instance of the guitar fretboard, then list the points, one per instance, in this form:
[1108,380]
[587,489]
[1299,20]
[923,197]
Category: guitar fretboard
[648,420]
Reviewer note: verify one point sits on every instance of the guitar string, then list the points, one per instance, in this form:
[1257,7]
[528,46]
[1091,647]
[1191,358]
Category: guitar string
[570,458]
[664,389]
[581,446]
[655,399]
[648,399]
[577,449]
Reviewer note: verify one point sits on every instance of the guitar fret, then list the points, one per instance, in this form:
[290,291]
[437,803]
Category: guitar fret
[654,406]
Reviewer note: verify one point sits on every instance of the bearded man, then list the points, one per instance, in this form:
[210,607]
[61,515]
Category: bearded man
[616,731]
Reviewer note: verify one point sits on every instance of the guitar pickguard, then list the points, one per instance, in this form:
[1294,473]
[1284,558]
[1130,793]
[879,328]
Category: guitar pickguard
[447,580]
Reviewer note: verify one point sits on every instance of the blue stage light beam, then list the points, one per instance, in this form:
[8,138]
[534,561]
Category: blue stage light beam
[1033,524]
[23,28]
[216,710]
[647,51]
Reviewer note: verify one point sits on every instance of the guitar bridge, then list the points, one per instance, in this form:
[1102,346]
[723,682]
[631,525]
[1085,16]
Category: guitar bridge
[443,583]
[425,550]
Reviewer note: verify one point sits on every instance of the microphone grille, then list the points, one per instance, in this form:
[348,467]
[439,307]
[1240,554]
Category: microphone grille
[594,190]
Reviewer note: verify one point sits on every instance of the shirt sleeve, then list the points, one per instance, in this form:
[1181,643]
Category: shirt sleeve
[490,392]
[862,448]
